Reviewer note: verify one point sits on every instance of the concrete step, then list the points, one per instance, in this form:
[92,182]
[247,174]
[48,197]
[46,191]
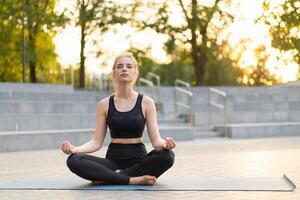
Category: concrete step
[28,122]
[250,106]
[253,130]
[35,87]
[17,107]
[249,117]
[52,139]
[62,120]
[50,96]
[205,132]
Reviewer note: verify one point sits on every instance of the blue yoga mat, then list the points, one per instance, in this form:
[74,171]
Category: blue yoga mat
[164,184]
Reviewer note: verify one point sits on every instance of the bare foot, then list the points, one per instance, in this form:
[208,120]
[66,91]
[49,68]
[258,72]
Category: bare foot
[143,180]
[98,182]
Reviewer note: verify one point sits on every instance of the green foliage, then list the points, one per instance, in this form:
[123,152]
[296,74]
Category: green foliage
[221,72]
[194,34]
[284,23]
[9,46]
[259,75]
[40,20]
[167,72]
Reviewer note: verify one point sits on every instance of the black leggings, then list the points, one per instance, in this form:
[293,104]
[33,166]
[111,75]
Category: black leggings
[94,168]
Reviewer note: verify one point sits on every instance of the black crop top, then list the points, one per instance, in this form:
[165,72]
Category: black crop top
[128,124]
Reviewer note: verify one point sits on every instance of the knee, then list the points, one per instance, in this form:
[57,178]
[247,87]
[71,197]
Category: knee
[73,160]
[167,157]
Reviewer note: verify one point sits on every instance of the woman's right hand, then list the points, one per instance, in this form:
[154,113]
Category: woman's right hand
[67,147]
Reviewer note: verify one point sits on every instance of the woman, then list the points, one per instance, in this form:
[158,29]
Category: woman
[126,113]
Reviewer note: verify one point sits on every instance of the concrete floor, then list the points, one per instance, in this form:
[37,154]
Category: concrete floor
[267,157]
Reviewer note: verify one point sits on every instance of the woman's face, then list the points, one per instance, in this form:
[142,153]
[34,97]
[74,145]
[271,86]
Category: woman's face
[124,70]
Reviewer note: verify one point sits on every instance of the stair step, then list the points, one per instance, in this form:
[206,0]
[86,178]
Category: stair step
[253,130]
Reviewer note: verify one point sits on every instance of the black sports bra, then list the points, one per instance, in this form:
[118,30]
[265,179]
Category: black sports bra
[128,124]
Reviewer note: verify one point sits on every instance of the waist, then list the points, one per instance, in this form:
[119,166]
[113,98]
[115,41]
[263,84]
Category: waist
[126,140]
[126,151]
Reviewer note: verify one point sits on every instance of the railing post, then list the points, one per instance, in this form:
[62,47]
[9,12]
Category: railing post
[157,78]
[175,105]
[224,107]
[192,117]
[209,109]
[225,117]
[189,105]
[149,84]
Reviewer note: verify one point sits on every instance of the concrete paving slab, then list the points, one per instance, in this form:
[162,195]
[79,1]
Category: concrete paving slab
[215,157]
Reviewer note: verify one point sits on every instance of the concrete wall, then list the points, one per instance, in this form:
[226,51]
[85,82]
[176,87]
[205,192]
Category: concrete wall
[42,107]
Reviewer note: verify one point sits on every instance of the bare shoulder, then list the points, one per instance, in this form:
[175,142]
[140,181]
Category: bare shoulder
[148,102]
[102,105]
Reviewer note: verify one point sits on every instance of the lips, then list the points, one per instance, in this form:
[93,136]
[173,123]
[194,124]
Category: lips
[124,74]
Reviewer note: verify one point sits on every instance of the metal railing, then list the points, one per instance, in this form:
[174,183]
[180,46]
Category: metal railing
[150,85]
[151,76]
[181,91]
[157,98]
[211,103]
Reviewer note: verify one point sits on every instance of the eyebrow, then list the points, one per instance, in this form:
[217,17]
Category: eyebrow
[126,64]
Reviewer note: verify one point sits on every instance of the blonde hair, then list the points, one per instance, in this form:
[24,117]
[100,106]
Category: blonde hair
[135,64]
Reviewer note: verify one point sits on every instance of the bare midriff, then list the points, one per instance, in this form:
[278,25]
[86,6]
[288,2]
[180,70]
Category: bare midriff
[126,140]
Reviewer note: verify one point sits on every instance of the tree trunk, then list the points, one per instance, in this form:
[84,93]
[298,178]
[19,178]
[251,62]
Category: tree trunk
[199,57]
[199,62]
[82,58]
[32,57]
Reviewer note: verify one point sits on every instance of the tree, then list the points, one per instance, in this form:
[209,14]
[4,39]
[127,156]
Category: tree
[259,75]
[9,43]
[41,18]
[198,31]
[94,16]
[40,21]
[284,26]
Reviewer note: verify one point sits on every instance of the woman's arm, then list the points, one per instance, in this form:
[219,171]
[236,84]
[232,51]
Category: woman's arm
[98,137]
[152,127]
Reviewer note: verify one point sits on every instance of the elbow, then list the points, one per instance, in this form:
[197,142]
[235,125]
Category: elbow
[98,148]
[97,145]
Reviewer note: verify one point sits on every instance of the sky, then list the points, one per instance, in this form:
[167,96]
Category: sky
[120,39]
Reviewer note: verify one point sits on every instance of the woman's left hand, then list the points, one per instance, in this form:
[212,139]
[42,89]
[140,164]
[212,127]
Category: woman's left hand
[169,144]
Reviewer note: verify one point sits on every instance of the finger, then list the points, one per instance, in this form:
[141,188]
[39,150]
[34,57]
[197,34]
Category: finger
[165,145]
[168,144]
[173,142]
[67,148]
[71,147]
[64,147]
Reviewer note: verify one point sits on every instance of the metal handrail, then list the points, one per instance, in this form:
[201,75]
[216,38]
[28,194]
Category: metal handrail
[224,107]
[186,84]
[189,105]
[157,78]
[149,84]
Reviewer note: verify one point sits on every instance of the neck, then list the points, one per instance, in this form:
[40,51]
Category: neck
[124,91]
